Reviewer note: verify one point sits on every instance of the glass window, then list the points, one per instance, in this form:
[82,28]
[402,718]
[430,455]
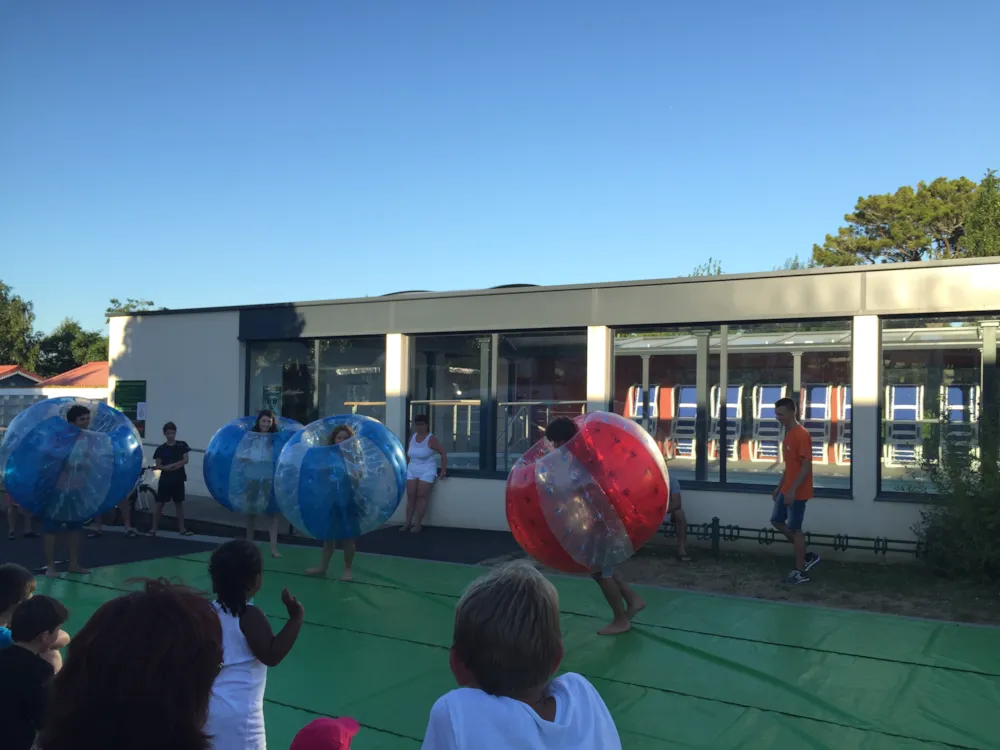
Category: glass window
[449,381]
[282,378]
[656,385]
[932,388]
[540,376]
[351,376]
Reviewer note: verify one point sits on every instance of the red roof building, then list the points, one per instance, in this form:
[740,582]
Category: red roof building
[14,376]
[90,375]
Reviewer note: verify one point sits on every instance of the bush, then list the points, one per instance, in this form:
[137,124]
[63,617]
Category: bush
[960,524]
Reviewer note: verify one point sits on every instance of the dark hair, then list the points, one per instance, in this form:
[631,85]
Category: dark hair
[234,568]
[169,426]
[561,430]
[785,403]
[75,412]
[139,674]
[266,413]
[16,584]
[339,429]
[421,419]
[37,615]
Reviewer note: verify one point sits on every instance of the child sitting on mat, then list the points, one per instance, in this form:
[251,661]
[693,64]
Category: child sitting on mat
[507,645]
[236,709]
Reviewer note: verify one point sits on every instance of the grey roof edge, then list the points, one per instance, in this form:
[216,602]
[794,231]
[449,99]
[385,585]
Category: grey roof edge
[532,289]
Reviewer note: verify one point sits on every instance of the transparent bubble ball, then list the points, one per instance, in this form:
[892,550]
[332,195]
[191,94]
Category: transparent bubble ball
[60,473]
[239,464]
[345,490]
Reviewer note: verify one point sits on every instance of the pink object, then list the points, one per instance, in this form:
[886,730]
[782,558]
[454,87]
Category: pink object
[326,734]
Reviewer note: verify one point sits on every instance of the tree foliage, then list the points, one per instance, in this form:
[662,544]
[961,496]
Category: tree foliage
[982,235]
[69,346]
[18,341]
[711,267]
[795,264]
[909,225]
[130,305]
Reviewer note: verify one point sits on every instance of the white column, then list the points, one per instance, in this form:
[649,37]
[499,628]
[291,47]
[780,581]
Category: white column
[866,358]
[397,382]
[600,350]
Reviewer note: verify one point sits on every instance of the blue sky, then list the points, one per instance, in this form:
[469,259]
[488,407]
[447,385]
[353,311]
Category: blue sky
[228,152]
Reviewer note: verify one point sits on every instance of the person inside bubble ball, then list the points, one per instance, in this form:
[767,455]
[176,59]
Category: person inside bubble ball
[71,478]
[260,473]
[421,471]
[624,602]
[341,433]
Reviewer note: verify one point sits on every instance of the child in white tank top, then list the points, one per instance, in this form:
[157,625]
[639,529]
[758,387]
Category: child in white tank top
[236,709]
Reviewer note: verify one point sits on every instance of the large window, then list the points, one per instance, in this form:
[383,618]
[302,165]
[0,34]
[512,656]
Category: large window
[306,380]
[670,380]
[450,382]
[933,387]
[540,376]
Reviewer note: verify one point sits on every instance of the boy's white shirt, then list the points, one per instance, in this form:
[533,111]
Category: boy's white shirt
[469,719]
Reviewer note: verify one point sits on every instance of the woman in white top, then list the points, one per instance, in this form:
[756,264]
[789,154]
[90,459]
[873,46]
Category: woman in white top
[421,471]
[236,709]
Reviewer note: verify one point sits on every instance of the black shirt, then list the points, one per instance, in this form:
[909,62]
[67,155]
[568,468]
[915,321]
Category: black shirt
[171,454]
[24,685]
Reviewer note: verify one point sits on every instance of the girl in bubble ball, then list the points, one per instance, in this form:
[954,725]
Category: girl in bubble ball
[341,433]
[260,475]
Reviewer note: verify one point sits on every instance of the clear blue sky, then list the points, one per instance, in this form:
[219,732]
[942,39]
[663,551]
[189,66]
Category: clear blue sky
[227,152]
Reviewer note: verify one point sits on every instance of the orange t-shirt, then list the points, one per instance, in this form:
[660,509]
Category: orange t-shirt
[797,447]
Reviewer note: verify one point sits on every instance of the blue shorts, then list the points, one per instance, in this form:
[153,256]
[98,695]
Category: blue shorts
[57,527]
[603,573]
[790,515]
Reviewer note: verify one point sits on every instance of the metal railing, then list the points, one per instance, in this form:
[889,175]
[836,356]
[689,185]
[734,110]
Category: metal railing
[521,426]
[716,533]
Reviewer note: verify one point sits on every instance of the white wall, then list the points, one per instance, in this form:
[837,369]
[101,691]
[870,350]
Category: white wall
[194,368]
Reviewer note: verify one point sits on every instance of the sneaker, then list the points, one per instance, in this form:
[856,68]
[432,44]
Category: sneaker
[796,577]
[811,559]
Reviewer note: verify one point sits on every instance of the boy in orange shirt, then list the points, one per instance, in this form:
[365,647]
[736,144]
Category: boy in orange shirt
[795,489]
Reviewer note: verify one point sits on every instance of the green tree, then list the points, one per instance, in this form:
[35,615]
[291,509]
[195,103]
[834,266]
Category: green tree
[711,267]
[130,305]
[982,235]
[795,264]
[908,225]
[18,341]
[69,346]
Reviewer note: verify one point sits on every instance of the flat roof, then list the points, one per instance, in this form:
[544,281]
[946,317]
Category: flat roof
[519,289]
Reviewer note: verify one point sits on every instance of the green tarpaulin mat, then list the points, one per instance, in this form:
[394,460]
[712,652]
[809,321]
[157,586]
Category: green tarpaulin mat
[697,671]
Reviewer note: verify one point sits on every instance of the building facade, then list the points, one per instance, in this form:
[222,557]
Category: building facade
[889,365]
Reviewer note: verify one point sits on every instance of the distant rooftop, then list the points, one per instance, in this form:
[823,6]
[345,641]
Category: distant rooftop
[90,375]
[7,371]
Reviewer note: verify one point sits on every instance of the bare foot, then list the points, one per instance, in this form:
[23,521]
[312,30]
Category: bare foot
[405,527]
[77,569]
[416,529]
[316,571]
[275,554]
[616,627]
[347,575]
[635,608]
[51,572]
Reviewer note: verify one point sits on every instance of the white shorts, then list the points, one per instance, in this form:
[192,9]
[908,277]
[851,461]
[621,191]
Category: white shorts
[425,473]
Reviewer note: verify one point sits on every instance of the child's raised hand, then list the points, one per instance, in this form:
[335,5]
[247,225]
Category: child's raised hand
[293,605]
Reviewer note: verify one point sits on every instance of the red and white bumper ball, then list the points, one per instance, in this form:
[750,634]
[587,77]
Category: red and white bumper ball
[588,505]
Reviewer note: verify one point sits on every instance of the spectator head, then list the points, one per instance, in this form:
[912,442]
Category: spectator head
[236,569]
[507,638]
[78,416]
[169,430]
[16,585]
[784,411]
[341,433]
[139,674]
[421,424]
[326,734]
[560,431]
[266,421]
[37,621]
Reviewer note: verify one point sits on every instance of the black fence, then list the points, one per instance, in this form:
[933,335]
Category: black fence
[716,533]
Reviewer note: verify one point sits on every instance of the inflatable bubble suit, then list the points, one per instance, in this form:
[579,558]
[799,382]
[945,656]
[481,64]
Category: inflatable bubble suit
[341,491]
[58,472]
[590,504]
[239,464]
